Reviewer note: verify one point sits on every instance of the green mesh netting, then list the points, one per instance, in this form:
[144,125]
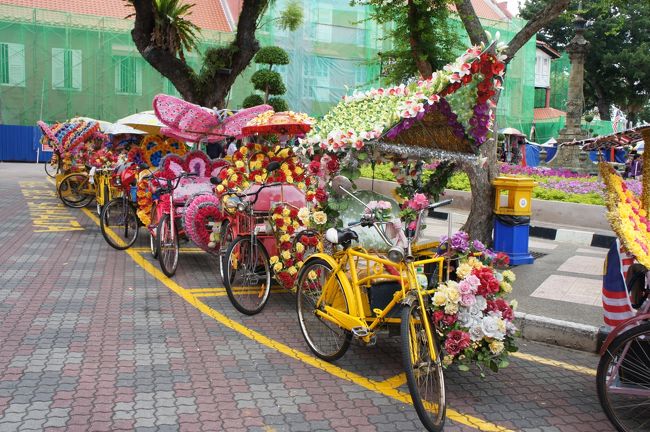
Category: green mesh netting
[63,65]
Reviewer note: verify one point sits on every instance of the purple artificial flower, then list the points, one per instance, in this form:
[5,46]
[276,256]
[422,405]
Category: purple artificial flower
[460,241]
[480,247]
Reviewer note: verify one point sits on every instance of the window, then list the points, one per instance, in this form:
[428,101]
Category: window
[12,64]
[128,75]
[316,79]
[66,69]
[319,26]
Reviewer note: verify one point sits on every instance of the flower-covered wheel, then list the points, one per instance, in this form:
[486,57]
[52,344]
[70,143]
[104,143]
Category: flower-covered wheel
[247,275]
[424,374]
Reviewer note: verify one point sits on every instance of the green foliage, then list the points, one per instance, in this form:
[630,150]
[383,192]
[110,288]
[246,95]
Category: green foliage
[173,30]
[272,55]
[437,41]
[291,17]
[268,81]
[278,104]
[616,69]
[382,171]
[252,100]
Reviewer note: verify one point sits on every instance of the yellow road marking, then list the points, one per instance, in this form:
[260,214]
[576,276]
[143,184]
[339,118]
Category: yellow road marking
[395,381]
[556,363]
[216,294]
[46,212]
[372,385]
[199,290]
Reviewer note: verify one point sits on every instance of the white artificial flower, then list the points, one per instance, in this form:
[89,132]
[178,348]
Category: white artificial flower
[481,303]
[490,327]
[476,333]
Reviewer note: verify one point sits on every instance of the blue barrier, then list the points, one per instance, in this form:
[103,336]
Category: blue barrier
[19,144]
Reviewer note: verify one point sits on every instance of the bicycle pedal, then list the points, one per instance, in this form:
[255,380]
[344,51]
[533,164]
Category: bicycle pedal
[372,340]
[360,332]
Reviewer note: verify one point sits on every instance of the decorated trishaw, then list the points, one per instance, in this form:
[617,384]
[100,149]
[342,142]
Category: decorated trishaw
[447,301]
[623,373]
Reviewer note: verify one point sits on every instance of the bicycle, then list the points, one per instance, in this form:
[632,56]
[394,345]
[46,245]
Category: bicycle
[55,165]
[245,267]
[336,301]
[169,228]
[623,375]
[119,215]
[76,190]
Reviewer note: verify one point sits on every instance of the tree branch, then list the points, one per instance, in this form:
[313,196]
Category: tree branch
[415,41]
[538,21]
[170,66]
[471,22]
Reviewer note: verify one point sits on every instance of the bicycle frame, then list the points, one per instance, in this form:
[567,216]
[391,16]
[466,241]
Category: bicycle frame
[358,315]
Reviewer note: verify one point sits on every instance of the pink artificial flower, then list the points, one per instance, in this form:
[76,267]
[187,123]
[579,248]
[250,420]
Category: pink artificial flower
[465,287]
[418,202]
[457,341]
[467,300]
[473,281]
[412,225]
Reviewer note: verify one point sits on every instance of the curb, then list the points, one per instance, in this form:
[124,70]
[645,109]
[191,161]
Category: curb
[582,238]
[559,332]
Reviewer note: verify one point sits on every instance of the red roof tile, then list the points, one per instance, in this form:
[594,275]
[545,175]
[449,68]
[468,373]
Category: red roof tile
[207,14]
[486,9]
[547,113]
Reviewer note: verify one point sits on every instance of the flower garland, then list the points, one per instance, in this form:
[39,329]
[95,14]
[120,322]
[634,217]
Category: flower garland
[471,313]
[154,149]
[202,210]
[145,202]
[626,215]
[286,221]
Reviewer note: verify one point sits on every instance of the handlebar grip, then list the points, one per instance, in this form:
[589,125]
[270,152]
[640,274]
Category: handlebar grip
[189,175]
[353,224]
[440,204]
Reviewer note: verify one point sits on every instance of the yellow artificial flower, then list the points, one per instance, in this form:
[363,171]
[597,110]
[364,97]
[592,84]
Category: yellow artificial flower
[509,275]
[243,150]
[300,248]
[439,298]
[259,179]
[286,255]
[292,270]
[287,221]
[220,188]
[453,295]
[285,238]
[239,164]
[496,347]
[475,263]
[312,275]
[451,308]
[447,360]
[299,264]
[301,186]
[289,179]
[320,218]
[303,214]
[463,270]
[299,170]
[505,287]
[277,267]
[274,259]
[286,212]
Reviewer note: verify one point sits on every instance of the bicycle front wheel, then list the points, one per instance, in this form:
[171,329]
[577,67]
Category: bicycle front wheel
[52,167]
[247,275]
[623,380]
[227,235]
[168,247]
[153,238]
[119,224]
[317,283]
[72,190]
[424,375]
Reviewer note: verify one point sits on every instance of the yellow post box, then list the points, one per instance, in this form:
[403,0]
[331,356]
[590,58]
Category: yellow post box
[520,194]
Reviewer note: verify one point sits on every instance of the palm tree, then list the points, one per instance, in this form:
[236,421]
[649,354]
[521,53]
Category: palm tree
[173,30]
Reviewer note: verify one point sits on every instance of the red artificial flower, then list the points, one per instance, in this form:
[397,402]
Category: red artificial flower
[501,306]
[475,67]
[333,165]
[293,212]
[486,68]
[309,196]
[449,320]
[291,229]
[438,316]
[289,262]
[321,195]
[286,246]
[457,341]
[489,284]
[497,67]
[300,257]
[502,260]
[279,223]
[466,79]
[484,86]
[277,210]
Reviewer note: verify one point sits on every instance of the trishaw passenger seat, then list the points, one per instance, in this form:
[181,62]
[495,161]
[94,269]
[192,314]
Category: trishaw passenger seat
[343,237]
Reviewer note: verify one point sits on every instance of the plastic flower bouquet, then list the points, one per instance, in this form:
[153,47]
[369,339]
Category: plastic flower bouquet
[470,311]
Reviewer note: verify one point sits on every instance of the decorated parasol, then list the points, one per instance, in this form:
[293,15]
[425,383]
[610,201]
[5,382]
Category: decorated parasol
[145,121]
[191,122]
[69,134]
[280,123]
[448,115]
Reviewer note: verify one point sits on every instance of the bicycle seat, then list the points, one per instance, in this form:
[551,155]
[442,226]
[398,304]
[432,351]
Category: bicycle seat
[341,236]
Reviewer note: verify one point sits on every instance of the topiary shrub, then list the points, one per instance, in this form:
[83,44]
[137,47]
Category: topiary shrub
[253,100]
[278,104]
[272,55]
[269,82]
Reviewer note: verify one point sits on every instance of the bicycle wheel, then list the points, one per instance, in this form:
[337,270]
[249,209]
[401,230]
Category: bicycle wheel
[52,167]
[118,217]
[324,338]
[623,380]
[247,275]
[167,246]
[424,375]
[72,192]
[227,236]
[153,238]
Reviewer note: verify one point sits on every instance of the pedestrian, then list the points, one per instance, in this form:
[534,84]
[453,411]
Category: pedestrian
[214,150]
[634,168]
[232,147]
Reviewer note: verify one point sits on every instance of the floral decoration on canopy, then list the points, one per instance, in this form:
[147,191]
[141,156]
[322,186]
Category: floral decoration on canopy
[282,123]
[457,97]
[626,215]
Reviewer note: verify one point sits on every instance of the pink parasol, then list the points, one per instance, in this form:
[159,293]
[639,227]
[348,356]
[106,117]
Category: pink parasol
[196,123]
[47,131]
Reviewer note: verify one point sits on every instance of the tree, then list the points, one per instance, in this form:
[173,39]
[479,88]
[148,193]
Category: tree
[423,40]
[479,222]
[616,70]
[267,80]
[161,34]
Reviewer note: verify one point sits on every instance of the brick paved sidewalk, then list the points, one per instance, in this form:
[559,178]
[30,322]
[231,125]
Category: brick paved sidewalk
[94,339]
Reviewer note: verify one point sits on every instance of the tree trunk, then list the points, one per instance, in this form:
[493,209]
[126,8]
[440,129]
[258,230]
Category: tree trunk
[602,104]
[415,39]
